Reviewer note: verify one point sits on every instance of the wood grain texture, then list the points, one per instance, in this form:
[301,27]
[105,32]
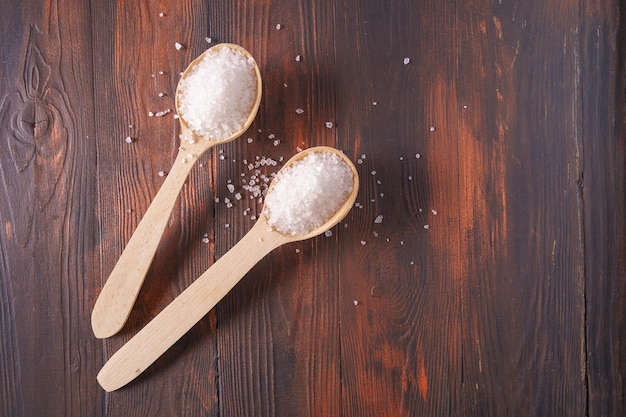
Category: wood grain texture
[492,285]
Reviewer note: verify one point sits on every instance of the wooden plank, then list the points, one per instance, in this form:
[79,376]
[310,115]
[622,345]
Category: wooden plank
[138,68]
[278,334]
[47,177]
[602,40]
[400,277]
[521,213]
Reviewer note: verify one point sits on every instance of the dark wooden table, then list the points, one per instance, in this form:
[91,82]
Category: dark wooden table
[495,284]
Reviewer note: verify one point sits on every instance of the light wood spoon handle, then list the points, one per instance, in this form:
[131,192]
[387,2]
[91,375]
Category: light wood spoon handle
[120,291]
[189,307]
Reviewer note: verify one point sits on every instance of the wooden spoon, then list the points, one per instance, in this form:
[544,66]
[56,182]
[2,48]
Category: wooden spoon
[122,287]
[206,291]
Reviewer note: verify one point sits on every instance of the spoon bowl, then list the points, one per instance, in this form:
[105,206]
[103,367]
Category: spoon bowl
[120,291]
[207,290]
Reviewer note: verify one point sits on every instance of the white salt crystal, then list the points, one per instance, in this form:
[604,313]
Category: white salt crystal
[378,219]
[231,188]
[162,113]
[208,40]
[238,196]
[434,212]
[417,156]
[276,142]
[373,172]
[374,103]
[278,26]
[426,226]
[128,139]
[329,124]
[250,140]
[216,96]
[432,128]
[161,94]
[178,46]
[328,233]
[299,111]
[150,114]
[308,193]
[363,243]
[161,173]
[298,58]
[356,303]
[297,250]
[227,225]
[406,61]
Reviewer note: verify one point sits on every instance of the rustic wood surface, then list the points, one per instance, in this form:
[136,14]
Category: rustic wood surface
[494,284]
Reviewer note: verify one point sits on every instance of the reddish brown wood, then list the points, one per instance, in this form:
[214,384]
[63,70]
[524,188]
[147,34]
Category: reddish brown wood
[492,285]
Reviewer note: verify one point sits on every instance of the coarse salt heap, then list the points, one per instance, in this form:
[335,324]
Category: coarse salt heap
[216,96]
[308,193]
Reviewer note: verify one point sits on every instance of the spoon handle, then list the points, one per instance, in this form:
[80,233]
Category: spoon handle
[188,308]
[122,287]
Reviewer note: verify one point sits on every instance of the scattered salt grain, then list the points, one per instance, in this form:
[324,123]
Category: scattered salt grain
[128,139]
[250,140]
[406,61]
[299,111]
[417,156]
[276,142]
[308,193]
[216,96]
[227,225]
[208,40]
[231,188]
[378,219]
[374,103]
[373,172]
[161,95]
[356,303]
[237,196]
[432,128]
[298,58]
[205,240]
[410,178]
[150,114]
[434,211]
[426,226]
[161,14]
[329,125]
[278,26]
[161,113]
[328,233]
[178,46]
[297,250]
[161,173]
[363,243]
